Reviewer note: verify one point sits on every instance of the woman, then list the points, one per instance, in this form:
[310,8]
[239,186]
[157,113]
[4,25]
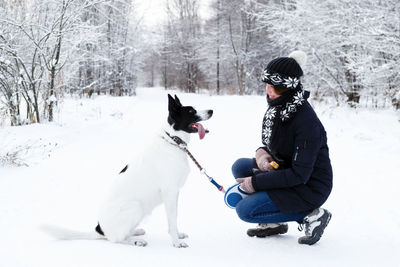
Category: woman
[295,139]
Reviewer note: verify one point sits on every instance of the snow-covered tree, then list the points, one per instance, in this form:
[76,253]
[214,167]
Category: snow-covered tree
[51,46]
[235,47]
[351,44]
[107,56]
[182,43]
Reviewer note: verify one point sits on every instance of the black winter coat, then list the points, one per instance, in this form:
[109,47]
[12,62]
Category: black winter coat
[303,182]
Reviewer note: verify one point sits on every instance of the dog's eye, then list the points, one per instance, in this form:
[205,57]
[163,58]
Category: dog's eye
[191,111]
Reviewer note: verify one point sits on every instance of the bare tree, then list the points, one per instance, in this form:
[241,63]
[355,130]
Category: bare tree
[183,42]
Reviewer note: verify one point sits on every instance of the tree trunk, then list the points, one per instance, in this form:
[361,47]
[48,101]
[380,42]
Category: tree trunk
[218,44]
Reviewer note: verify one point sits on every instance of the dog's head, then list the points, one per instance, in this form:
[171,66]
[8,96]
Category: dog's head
[186,118]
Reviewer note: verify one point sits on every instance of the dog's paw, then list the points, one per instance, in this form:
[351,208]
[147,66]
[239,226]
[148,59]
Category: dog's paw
[140,243]
[182,235]
[135,242]
[139,232]
[180,245]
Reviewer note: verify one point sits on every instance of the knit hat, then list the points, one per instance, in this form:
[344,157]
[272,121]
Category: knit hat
[285,71]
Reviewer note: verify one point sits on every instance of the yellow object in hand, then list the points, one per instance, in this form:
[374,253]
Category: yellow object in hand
[274,164]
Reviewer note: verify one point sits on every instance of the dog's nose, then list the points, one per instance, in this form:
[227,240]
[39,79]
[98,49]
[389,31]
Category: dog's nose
[210,112]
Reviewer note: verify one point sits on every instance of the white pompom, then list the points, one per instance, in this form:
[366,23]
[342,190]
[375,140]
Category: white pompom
[299,56]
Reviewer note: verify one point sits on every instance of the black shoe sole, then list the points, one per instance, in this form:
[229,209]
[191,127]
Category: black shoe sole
[282,229]
[311,240]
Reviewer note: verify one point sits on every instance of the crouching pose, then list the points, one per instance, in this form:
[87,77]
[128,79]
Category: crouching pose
[291,175]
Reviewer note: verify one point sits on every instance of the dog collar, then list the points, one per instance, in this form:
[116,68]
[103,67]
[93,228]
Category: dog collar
[178,141]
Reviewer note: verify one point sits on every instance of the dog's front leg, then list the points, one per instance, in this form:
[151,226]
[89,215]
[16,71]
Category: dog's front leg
[171,208]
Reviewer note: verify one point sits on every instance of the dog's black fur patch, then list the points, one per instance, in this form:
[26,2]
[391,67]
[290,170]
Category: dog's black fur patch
[182,117]
[124,169]
[99,230]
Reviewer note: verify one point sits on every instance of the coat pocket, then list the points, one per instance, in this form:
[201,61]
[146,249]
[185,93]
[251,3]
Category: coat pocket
[306,152]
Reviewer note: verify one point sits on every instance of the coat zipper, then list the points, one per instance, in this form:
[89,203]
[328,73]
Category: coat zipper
[297,152]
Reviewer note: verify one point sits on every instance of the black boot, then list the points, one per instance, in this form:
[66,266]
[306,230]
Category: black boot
[268,229]
[315,224]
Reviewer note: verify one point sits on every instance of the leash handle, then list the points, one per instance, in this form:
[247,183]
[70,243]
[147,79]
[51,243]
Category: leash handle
[219,187]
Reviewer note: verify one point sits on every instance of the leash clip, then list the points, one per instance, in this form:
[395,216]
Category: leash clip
[203,171]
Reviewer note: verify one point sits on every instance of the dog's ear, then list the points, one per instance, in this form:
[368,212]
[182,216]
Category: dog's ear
[172,106]
[178,101]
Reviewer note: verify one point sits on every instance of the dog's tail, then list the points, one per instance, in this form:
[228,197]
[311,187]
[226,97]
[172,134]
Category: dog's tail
[61,233]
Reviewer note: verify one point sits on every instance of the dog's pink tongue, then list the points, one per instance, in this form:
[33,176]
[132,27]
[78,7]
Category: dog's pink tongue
[200,130]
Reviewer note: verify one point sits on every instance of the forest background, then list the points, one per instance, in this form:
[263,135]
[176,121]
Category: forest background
[53,48]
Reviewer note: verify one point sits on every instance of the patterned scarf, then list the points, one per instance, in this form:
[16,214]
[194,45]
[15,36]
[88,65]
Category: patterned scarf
[281,110]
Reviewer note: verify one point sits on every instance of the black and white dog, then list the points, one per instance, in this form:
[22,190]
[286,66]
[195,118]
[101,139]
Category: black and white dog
[145,183]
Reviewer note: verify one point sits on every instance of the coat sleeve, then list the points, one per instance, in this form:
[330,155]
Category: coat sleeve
[264,148]
[307,144]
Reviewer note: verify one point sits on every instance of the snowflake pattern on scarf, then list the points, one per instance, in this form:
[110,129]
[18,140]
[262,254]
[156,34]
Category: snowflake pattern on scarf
[286,112]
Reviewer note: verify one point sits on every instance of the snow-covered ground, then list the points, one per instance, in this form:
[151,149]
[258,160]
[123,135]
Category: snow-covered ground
[68,166]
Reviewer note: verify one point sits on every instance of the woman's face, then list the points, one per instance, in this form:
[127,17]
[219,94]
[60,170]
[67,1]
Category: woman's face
[271,92]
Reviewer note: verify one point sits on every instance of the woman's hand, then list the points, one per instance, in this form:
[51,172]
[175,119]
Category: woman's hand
[263,159]
[246,185]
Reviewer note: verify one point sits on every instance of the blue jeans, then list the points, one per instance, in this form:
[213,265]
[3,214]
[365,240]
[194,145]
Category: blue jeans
[258,207]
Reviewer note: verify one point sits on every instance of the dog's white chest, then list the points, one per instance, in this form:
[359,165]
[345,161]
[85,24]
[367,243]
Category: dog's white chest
[173,165]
